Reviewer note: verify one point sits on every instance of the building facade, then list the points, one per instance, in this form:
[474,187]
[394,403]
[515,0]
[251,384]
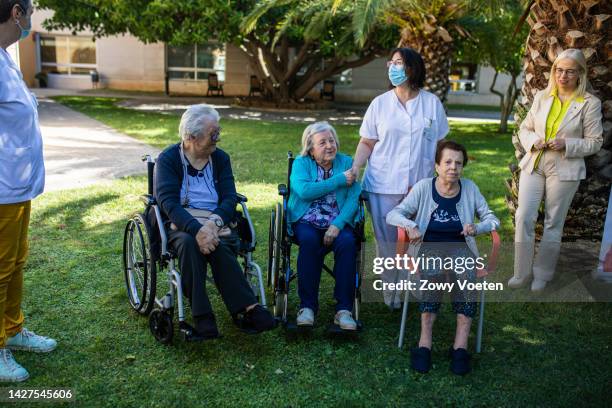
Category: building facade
[125,63]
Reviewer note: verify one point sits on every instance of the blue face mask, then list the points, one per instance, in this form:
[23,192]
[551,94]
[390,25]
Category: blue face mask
[24,31]
[397,75]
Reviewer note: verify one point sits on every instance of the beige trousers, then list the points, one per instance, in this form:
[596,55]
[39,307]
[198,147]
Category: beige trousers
[558,195]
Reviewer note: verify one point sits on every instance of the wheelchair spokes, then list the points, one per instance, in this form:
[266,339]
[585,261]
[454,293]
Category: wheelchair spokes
[139,268]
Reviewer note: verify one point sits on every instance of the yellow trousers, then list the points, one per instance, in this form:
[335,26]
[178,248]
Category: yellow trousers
[14,221]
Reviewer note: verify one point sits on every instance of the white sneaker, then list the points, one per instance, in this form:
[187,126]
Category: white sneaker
[345,320]
[538,285]
[305,317]
[10,371]
[30,341]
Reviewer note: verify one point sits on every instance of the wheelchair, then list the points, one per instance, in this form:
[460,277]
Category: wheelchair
[146,257]
[280,272]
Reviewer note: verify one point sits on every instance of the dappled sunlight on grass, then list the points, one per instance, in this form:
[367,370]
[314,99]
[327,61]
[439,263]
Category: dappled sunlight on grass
[523,335]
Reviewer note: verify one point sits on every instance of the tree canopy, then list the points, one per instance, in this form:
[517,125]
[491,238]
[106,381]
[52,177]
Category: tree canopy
[291,44]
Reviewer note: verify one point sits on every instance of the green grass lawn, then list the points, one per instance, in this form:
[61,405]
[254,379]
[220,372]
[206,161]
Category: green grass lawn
[534,354]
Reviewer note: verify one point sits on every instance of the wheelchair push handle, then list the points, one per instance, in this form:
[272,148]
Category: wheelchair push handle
[150,168]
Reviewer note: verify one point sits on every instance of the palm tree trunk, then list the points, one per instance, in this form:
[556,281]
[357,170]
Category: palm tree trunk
[557,25]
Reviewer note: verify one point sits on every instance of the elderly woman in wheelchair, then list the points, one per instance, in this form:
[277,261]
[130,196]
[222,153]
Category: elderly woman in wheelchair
[438,214]
[194,186]
[321,214]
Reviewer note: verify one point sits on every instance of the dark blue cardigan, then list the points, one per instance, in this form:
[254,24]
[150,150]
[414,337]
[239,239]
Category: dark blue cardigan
[167,188]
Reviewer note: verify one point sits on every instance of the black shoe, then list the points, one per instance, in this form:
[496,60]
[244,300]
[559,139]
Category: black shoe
[460,361]
[420,359]
[206,326]
[256,320]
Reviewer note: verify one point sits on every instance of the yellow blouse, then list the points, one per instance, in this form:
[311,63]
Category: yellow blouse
[556,114]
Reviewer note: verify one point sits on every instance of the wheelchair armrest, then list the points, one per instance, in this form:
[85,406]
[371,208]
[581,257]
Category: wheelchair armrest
[241,198]
[282,190]
[148,199]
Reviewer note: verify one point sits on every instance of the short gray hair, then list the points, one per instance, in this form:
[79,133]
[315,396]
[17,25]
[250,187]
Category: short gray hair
[311,130]
[191,121]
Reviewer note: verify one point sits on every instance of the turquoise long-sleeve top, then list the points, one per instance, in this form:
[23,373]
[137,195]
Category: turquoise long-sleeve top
[305,189]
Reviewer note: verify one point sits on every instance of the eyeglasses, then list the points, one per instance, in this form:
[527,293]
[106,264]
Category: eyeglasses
[569,72]
[215,134]
[397,63]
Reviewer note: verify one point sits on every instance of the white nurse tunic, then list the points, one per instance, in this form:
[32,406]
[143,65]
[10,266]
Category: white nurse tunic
[407,136]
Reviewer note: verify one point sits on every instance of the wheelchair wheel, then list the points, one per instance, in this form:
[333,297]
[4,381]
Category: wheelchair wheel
[271,246]
[161,326]
[274,245]
[139,270]
[281,299]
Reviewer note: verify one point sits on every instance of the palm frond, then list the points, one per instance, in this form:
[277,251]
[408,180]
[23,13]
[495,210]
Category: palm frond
[283,26]
[365,16]
[318,25]
[250,22]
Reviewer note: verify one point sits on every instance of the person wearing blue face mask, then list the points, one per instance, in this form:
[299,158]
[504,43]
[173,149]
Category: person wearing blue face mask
[22,178]
[399,134]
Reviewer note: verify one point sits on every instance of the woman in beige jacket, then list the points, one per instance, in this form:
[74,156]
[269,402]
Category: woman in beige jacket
[562,127]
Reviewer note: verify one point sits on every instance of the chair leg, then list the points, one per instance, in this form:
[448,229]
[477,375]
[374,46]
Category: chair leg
[400,342]
[480,322]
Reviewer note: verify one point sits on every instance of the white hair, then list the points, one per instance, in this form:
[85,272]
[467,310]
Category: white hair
[311,130]
[193,118]
[577,56]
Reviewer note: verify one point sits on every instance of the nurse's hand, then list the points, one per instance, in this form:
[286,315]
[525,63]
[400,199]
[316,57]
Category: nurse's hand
[330,235]
[350,177]
[414,235]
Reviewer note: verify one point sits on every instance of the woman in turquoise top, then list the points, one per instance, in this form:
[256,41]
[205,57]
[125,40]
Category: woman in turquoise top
[322,209]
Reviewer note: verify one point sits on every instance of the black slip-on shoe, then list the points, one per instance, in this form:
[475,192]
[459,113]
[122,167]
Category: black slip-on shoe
[206,326]
[256,320]
[460,361]
[420,359]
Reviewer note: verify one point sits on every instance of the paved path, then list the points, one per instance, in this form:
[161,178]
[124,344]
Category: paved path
[344,113]
[80,151]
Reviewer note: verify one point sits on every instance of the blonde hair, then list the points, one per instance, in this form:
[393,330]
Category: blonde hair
[578,57]
[312,130]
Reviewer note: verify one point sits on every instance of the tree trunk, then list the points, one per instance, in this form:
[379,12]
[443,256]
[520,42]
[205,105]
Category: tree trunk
[508,103]
[557,25]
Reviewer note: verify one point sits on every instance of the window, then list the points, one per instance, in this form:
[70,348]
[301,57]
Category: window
[463,77]
[195,62]
[67,55]
[344,79]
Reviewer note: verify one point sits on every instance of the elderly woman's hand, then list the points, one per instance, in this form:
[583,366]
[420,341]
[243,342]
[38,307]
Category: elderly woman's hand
[208,238]
[350,177]
[469,230]
[414,235]
[330,235]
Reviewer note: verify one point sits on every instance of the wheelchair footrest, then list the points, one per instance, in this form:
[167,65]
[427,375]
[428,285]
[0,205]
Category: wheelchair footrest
[292,327]
[190,335]
[334,329]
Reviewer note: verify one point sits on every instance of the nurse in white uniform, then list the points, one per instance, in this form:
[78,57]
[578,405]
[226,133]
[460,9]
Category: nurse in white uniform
[22,178]
[399,134]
